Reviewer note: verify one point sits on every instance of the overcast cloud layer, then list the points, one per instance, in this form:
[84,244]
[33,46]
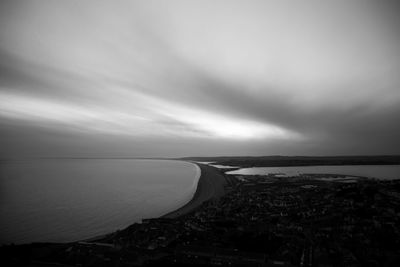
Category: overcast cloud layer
[181,78]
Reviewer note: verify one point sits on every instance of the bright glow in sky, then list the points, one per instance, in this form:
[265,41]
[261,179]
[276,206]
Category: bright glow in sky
[127,122]
[260,76]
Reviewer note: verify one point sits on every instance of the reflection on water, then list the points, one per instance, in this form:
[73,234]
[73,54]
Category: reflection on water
[222,166]
[371,171]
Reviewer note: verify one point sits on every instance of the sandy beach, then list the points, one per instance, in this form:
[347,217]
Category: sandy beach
[210,186]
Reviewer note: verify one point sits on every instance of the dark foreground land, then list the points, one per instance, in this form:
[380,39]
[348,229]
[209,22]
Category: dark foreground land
[284,161]
[260,221]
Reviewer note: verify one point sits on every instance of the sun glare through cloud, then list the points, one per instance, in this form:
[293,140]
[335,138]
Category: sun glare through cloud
[219,126]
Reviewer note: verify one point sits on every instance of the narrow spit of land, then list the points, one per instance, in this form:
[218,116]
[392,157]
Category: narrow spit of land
[211,185]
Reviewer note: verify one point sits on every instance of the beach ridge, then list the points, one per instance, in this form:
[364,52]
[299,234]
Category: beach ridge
[210,185]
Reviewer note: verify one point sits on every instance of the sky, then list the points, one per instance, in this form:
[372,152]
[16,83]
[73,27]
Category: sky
[199,78]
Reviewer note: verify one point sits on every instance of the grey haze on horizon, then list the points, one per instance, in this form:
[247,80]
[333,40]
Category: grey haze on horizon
[191,78]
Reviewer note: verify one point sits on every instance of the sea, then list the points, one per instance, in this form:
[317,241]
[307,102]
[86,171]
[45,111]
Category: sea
[63,200]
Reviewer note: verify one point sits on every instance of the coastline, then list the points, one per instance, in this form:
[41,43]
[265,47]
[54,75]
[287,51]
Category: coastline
[211,185]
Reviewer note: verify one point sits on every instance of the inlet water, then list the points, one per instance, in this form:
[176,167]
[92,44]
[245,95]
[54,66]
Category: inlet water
[370,171]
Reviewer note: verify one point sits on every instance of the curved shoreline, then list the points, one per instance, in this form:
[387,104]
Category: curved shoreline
[210,185]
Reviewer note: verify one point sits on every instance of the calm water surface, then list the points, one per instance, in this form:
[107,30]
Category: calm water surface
[371,171]
[68,200]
